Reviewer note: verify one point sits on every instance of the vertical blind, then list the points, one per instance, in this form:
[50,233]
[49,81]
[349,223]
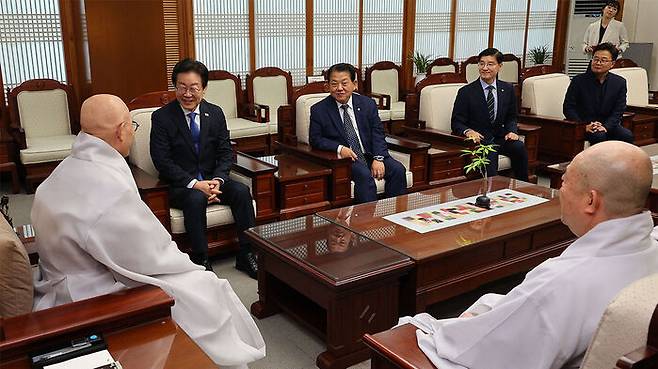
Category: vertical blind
[382,32]
[471,28]
[509,30]
[432,27]
[221,35]
[281,36]
[541,27]
[31,41]
[335,33]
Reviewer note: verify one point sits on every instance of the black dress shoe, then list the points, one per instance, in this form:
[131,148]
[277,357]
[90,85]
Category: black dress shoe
[247,263]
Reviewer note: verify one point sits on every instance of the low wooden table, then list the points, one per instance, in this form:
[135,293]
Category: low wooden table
[454,260]
[336,283]
[301,185]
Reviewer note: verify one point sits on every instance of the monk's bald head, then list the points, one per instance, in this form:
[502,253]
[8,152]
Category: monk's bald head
[620,172]
[107,117]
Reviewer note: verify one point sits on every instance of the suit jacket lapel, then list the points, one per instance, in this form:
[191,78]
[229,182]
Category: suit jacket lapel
[361,123]
[181,122]
[205,125]
[502,100]
[335,117]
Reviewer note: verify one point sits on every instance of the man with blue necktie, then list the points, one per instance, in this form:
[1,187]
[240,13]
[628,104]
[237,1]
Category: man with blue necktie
[485,111]
[190,147]
[348,124]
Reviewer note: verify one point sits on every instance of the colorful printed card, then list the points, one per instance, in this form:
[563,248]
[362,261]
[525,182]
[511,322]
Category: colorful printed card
[432,218]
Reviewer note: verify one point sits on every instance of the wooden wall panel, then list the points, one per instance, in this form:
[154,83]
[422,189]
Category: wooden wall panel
[126,47]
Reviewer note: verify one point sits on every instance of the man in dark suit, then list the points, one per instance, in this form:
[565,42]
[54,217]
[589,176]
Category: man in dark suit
[485,111]
[349,125]
[190,148]
[599,98]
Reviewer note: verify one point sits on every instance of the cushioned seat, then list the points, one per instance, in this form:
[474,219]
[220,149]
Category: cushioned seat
[302,118]
[544,94]
[624,325]
[444,69]
[46,149]
[383,78]
[240,127]
[140,156]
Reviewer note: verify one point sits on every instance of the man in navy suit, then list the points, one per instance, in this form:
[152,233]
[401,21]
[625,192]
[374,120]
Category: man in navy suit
[190,148]
[485,111]
[349,125]
[599,98]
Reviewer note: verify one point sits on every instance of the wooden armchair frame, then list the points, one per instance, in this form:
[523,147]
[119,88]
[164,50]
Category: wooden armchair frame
[155,193]
[340,179]
[393,126]
[440,62]
[254,112]
[35,173]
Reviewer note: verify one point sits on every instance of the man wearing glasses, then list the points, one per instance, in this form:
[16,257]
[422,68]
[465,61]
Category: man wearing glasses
[190,148]
[485,111]
[599,98]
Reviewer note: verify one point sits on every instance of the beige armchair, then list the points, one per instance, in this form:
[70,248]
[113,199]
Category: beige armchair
[257,175]
[638,101]
[246,122]
[44,119]
[294,122]
[383,83]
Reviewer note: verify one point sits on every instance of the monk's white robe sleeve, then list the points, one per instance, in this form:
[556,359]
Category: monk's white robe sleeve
[482,342]
[129,240]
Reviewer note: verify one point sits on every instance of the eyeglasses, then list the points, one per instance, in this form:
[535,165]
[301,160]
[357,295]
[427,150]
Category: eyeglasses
[600,61]
[135,125]
[481,65]
[183,90]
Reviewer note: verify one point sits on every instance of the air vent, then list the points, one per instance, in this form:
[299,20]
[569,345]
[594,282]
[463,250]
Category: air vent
[589,8]
[577,66]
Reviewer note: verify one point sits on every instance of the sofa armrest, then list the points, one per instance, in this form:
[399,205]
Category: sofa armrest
[18,134]
[643,357]
[383,100]
[417,157]
[256,112]
[653,97]
[526,129]
[111,312]
[434,135]
[397,348]
[261,175]
[533,119]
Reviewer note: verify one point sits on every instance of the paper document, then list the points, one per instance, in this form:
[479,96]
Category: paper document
[90,361]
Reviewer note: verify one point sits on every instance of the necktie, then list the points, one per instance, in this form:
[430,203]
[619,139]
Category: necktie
[491,103]
[352,138]
[196,132]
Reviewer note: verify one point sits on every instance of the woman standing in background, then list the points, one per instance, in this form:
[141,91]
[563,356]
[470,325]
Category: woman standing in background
[607,29]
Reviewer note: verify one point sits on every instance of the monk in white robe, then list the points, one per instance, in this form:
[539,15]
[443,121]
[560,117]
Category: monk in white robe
[95,236]
[549,319]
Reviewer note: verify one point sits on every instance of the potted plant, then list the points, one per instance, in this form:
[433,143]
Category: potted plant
[421,61]
[539,54]
[479,160]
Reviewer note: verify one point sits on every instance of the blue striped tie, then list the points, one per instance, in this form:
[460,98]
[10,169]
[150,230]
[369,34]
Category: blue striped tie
[352,138]
[491,102]
[196,133]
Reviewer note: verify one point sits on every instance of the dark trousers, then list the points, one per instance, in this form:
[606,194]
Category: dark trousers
[517,153]
[617,132]
[194,202]
[365,189]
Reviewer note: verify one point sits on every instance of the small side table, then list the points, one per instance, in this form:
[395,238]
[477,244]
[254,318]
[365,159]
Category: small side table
[11,168]
[301,186]
[555,173]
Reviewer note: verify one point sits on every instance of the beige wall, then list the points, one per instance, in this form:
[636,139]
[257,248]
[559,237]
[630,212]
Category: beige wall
[642,25]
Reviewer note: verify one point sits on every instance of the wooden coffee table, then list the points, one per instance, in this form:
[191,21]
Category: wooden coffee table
[454,260]
[338,284]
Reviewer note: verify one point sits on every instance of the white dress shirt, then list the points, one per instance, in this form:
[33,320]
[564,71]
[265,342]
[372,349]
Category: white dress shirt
[197,119]
[350,111]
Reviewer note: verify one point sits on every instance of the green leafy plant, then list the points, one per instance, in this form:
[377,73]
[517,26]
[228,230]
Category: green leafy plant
[539,54]
[421,61]
[479,157]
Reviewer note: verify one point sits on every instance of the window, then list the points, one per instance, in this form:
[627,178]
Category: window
[509,31]
[541,29]
[221,35]
[335,33]
[471,28]
[382,32]
[432,27]
[31,41]
[281,36]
